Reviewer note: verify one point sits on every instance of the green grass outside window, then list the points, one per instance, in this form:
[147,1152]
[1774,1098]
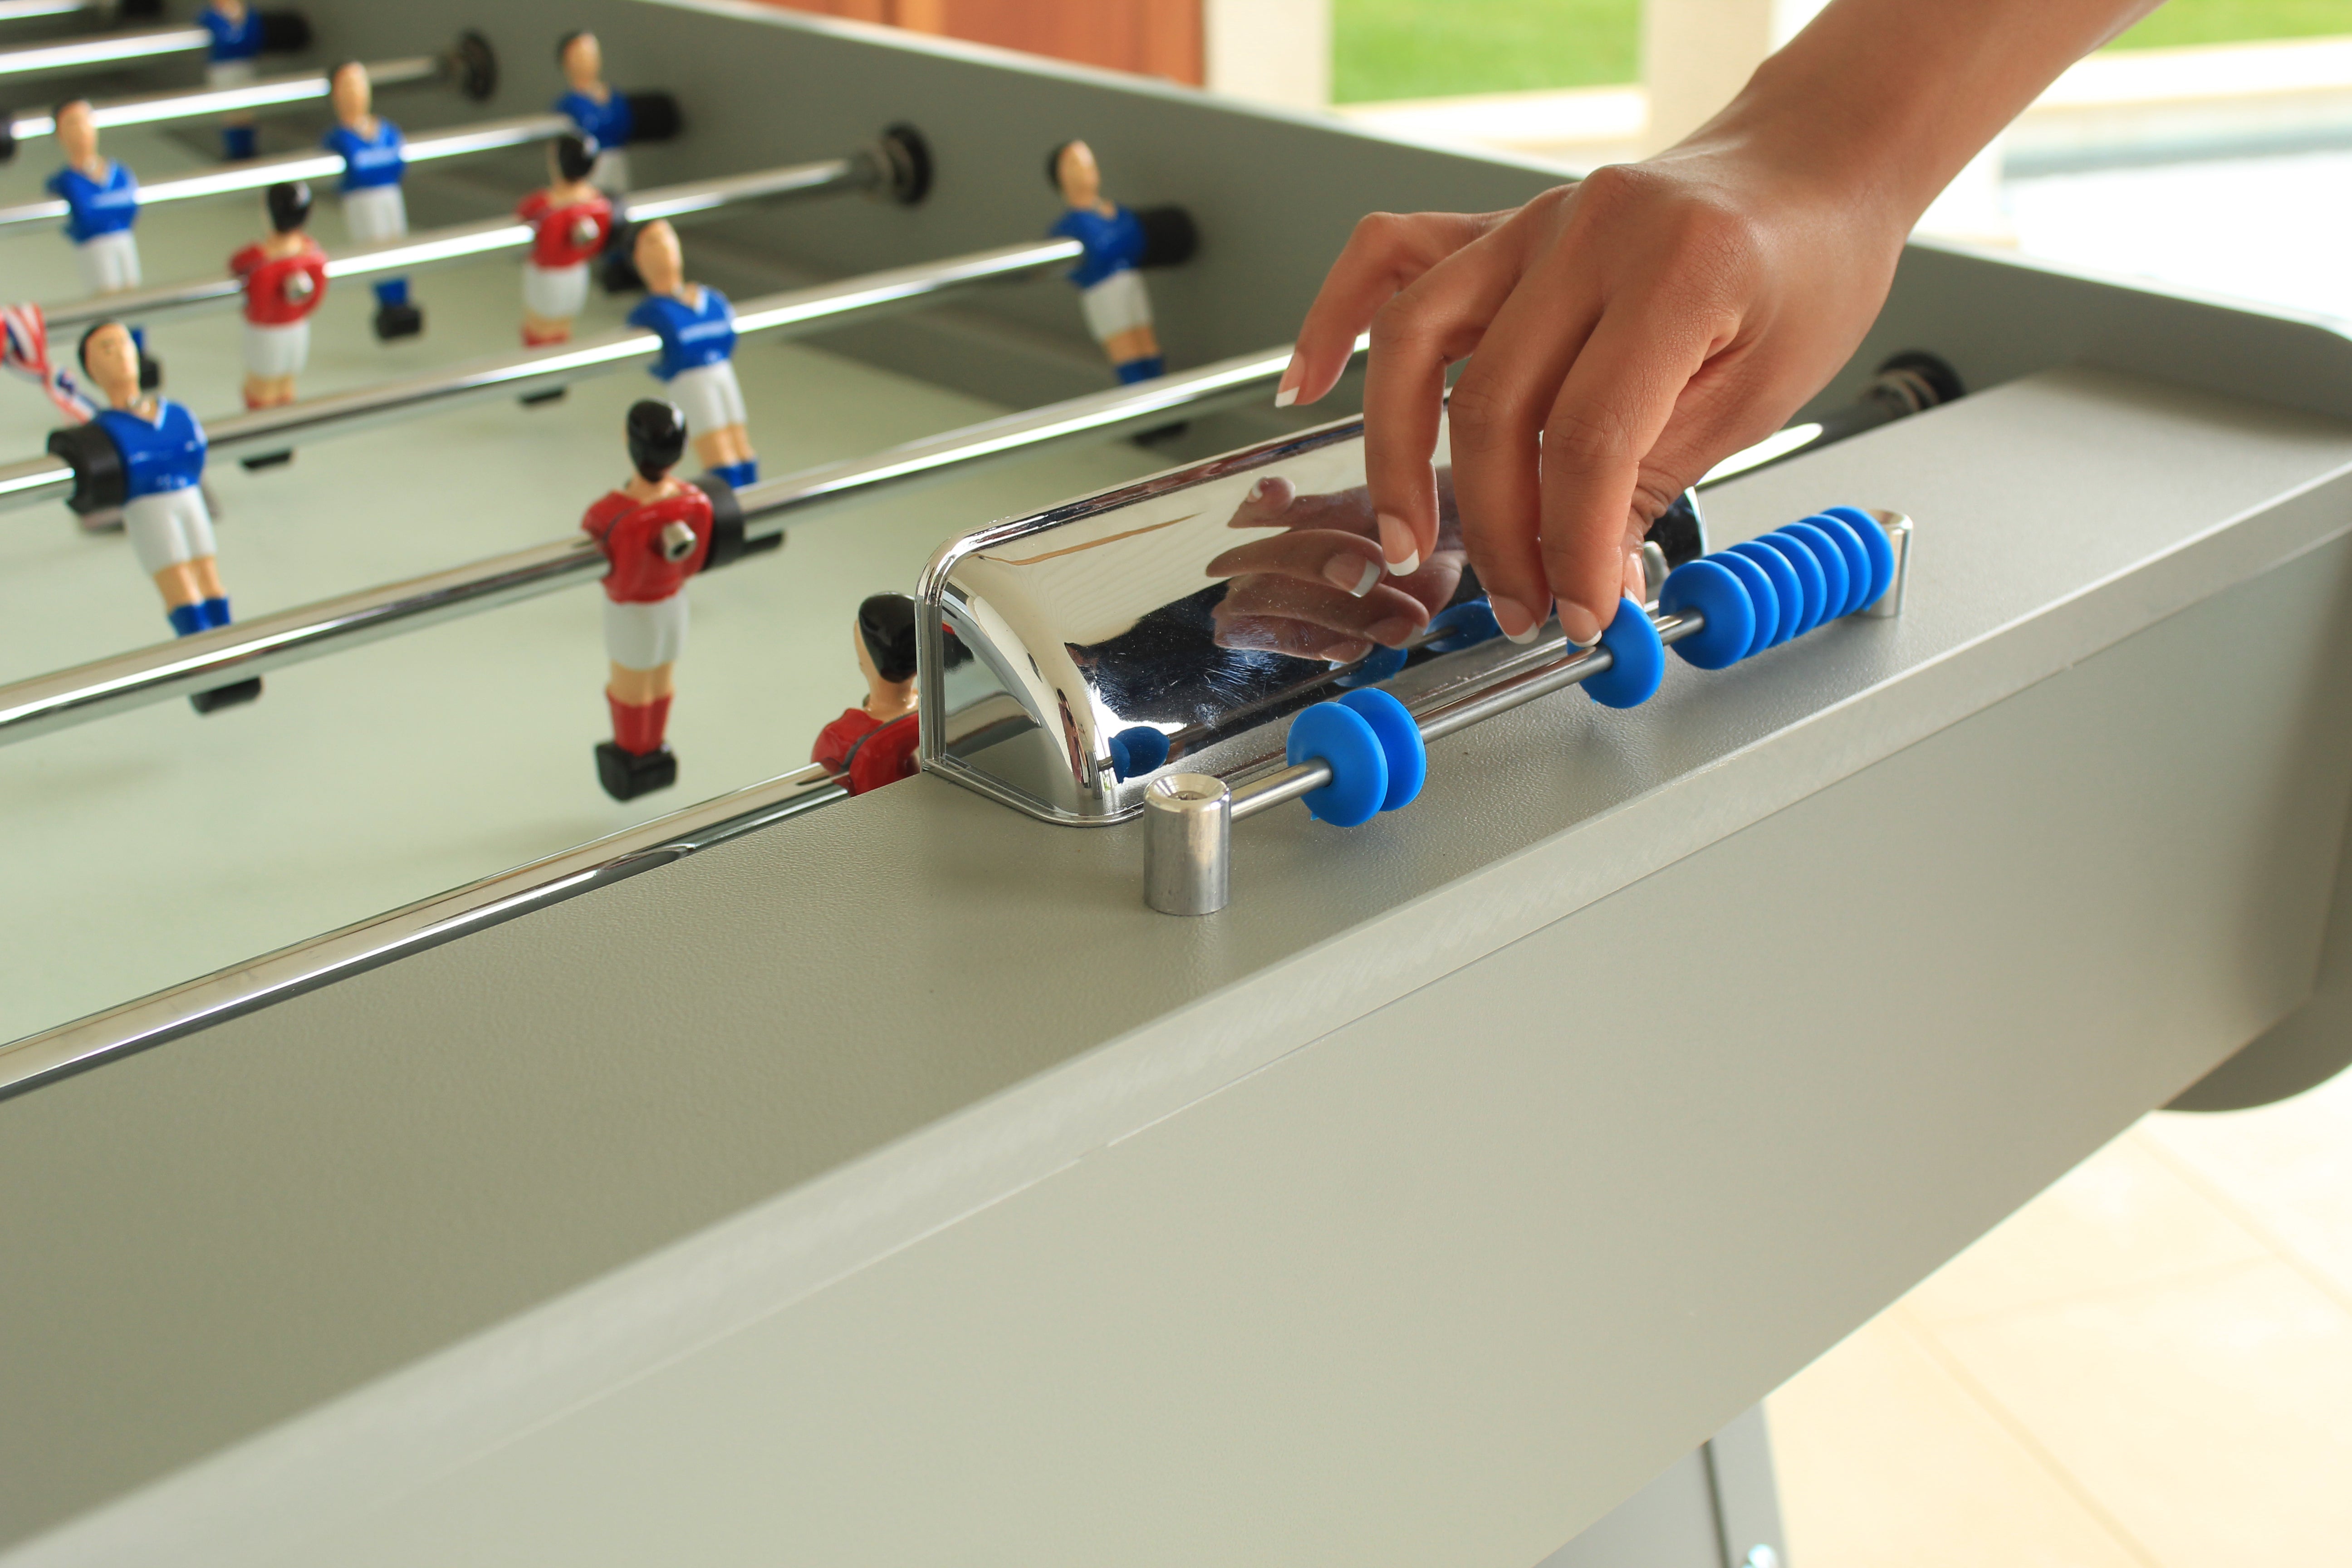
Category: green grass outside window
[1437,49]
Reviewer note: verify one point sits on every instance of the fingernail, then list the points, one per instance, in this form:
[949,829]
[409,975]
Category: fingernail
[1287,393]
[1347,652]
[1397,544]
[1258,490]
[1583,628]
[1518,622]
[1392,632]
[1351,571]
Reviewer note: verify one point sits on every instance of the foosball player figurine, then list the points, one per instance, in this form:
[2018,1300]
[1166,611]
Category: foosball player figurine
[101,199]
[285,278]
[1110,288]
[157,451]
[696,328]
[569,221]
[657,532]
[873,744]
[609,119]
[235,29]
[375,211]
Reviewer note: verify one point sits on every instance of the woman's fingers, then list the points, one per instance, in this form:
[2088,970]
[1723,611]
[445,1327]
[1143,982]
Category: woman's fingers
[1385,254]
[1266,501]
[1387,615]
[1345,561]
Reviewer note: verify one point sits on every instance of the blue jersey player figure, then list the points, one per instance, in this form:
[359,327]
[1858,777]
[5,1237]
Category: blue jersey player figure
[375,212]
[1110,288]
[102,201]
[604,117]
[696,328]
[160,449]
[235,29]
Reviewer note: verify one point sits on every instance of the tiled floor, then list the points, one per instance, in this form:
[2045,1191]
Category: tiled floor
[2150,1364]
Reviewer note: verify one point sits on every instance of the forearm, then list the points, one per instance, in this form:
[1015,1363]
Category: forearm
[1887,99]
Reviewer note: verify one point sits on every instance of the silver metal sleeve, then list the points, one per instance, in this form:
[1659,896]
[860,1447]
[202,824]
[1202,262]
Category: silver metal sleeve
[488,137]
[306,966]
[1898,534]
[155,108]
[70,697]
[463,242]
[106,48]
[1187,844]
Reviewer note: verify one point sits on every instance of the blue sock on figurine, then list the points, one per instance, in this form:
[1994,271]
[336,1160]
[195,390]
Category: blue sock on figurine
[1136,370]
[187,620]
[739,475]
[239,143]
[215,613]
[392,291]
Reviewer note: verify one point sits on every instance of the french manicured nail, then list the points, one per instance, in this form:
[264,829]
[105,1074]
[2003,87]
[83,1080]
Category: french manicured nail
[1347,652]
[1583,628]
[1637,578]
[1392,632]
[1287,393]
[1397,544]
[1352,572]
[1518,622]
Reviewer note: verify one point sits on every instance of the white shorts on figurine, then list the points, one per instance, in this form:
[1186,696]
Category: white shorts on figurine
[610,172]
[168,528]
[708,396]
[228,73]
[109,262]
[645,636]
[276,351]
[555,294]
[1117,304]
[373,214]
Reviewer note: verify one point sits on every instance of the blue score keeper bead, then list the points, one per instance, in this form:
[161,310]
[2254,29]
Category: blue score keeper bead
[1637,660]
[1400,743]
[1463,625]
[1834,583]
[1343,740]
[1138,750]
[1374,667]
[1814,586]
[1785,586]
[1716,591]
[1875,545]
[1857,559]
[1761,597]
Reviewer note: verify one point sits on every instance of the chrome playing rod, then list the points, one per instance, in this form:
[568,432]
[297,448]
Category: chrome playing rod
[520,374]
[155,108]
[198,663]
[102,49]
[490,136]
[424,251]
[26,10]
[306,966]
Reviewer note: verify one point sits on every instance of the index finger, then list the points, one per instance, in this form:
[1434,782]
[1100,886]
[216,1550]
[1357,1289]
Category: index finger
[1384,256]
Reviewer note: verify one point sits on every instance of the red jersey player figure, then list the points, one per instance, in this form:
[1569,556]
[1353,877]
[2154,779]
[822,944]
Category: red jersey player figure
[285,278]
[656,530]
[873,744]
[571,220]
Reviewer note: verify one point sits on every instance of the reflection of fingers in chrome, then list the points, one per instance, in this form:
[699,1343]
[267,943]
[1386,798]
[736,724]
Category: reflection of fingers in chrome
[1269,499]
[1348,650]
[1263,633]
[1291,598]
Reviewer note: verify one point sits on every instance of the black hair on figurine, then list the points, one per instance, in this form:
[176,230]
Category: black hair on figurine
[656,437]
[886,624]
[289,206]
[563,44]
[82,349]
[576,155]
[1053,162]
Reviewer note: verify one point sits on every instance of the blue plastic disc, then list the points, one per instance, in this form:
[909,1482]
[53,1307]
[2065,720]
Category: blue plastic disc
[1138,750]
[1874,543]
[1374,667]
[1637,660]
[1761,597]
[1857,559]
[1342,739]
[1716,591]
[1808,568]
[1464,626]
[1835,581]
[1786,587]
[1399,740]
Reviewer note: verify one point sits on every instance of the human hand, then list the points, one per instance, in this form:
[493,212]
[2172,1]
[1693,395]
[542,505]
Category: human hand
[1624,335]
[1316,590]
